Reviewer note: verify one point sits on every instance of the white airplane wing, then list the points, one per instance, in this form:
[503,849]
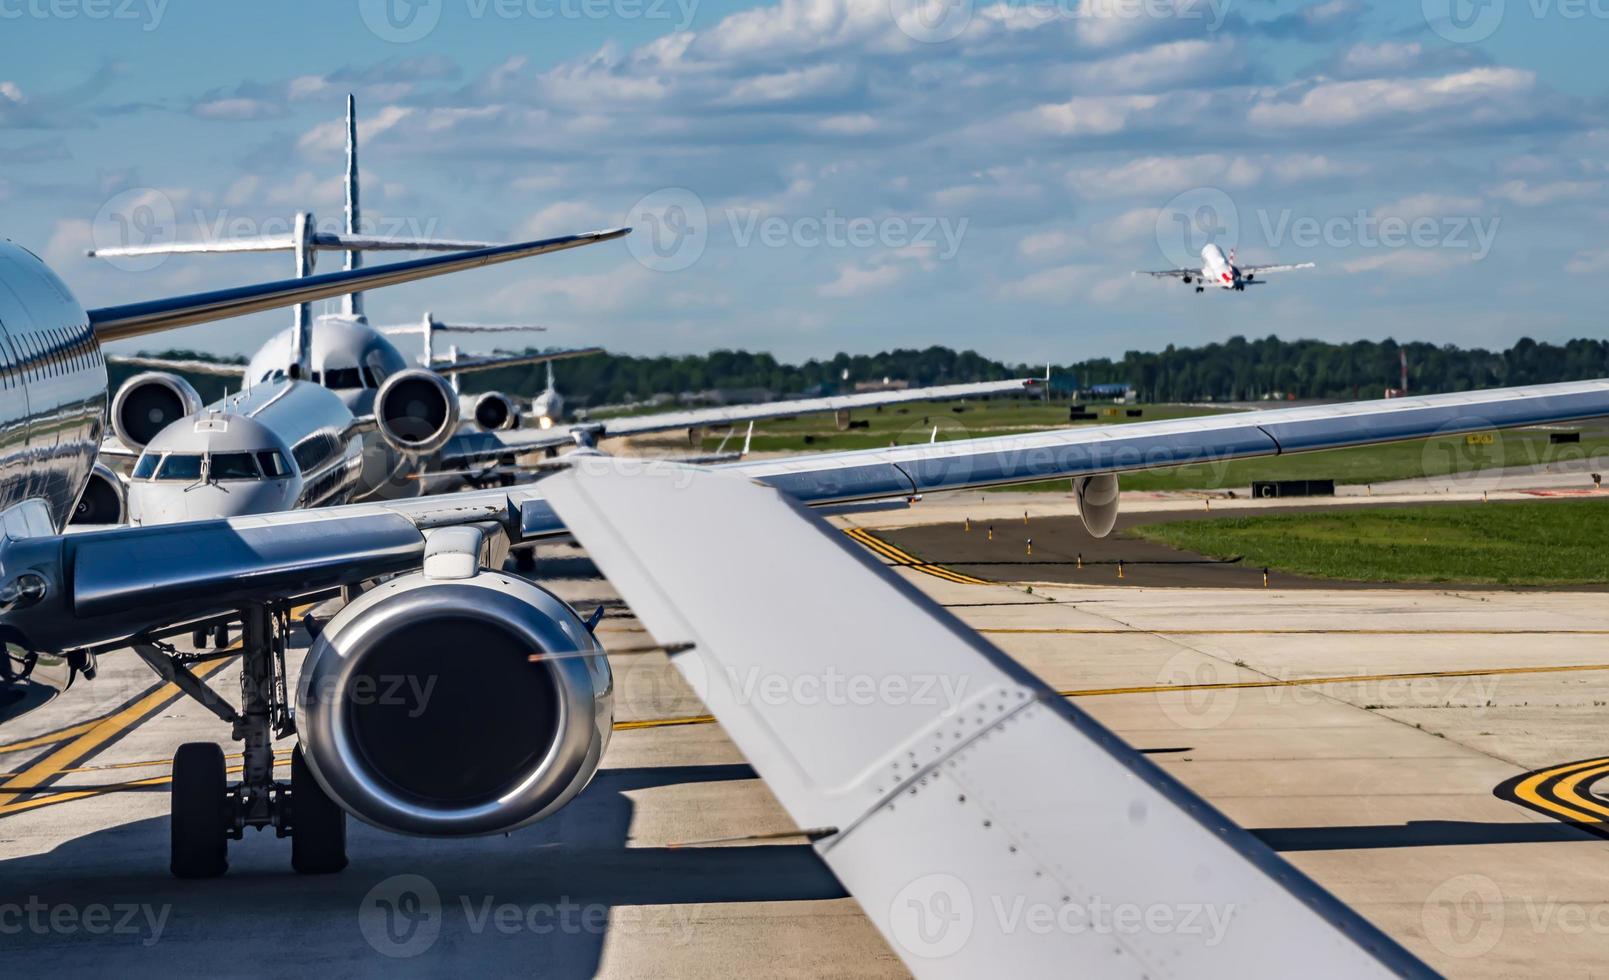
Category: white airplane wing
[466,365]
[235,371]
[974,805]
[733,414]
[1264,269]
[468,448]
[1170,273]
[104,586]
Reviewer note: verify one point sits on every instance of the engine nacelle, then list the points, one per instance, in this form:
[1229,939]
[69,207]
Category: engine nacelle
[148,403]
[422,711]
[105,498]
[1097,502]
[494,410]
[417,411]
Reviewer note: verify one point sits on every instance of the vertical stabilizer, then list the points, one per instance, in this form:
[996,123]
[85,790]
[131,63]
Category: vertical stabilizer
[302,335]
[352,305]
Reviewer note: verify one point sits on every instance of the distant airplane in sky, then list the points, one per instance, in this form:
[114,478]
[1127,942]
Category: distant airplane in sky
[1221,271]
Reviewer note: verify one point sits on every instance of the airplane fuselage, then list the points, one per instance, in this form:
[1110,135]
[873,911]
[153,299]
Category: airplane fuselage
[1219,270]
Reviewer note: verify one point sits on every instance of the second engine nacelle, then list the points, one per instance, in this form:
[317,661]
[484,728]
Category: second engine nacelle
[1097,502]
[104,500]
[417,411]
[449,708]
[494,410]
[148,403]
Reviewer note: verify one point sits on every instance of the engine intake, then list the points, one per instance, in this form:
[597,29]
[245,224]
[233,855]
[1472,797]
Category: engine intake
[1097,502]
[421,711]
[417,411]
[105,498]
[495,410]
[148,403]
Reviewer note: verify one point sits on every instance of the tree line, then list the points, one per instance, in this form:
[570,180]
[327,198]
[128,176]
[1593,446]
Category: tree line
[1235,370]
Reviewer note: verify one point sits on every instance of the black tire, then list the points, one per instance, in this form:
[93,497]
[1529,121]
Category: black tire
[318,825]
[198,639]
[220,635]
[200,818]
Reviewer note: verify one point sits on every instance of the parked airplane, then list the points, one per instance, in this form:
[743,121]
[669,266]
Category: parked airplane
[1221,271]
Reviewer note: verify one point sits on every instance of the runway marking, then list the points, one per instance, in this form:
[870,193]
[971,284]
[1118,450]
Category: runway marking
[67,796]
[1562,792]
[92,739]
[906,560]
[49,738]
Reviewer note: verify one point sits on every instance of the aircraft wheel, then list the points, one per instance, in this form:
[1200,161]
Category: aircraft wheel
[198,639]
[220,635]
[200,818]
[318,825]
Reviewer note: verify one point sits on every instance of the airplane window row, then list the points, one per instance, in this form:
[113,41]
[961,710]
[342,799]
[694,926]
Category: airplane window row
[338,379]
[267,463]
[42,354]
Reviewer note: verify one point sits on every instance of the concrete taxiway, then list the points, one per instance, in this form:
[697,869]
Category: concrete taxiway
[1428,755]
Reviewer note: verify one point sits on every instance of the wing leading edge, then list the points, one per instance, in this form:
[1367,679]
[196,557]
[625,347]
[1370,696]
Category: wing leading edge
[955,795]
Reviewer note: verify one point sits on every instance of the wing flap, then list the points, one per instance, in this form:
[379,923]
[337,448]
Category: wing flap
[951,791]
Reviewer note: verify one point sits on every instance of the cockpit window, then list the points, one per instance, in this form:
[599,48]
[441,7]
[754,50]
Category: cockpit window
[273,464]
[375,371]
[180,466]
[342,379]
[146,466]
[233,466]
[368,378]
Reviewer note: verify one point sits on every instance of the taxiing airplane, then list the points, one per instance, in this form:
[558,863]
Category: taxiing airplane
[1221,271]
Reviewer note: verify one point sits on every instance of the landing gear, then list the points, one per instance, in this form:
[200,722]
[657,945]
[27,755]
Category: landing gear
[201,820]
[207,811]
[318,825]
[220,635]
[525,561]
[198,639]
[1201,289]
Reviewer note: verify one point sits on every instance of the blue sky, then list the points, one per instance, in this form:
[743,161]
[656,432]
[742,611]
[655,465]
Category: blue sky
[820,175]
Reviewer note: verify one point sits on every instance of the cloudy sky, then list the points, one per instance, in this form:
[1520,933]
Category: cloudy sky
[819,175]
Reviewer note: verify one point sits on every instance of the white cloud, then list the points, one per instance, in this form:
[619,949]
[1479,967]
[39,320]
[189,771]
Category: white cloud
[853,280]
[1534,195]
[1593,262]
[1479,94]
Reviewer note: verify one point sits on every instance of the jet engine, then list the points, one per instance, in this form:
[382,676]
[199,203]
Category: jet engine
[417,411]
[1097,502]
[105,498]
[495,410]
[454,707]
[148,403]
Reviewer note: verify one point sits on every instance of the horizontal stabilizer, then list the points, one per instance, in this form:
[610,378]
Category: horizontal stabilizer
[134,319]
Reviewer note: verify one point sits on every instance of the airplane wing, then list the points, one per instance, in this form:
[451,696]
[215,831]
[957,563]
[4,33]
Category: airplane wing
[465,365]
[1170,273]
[89,588]
[1264,269]
[468,448]
[322,241]
[134,319]
[235,371]
[973,802]
[731,415]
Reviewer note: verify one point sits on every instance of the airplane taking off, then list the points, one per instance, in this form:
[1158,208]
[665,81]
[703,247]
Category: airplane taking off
[1221,271]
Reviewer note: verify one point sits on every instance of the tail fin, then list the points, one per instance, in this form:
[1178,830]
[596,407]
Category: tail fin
[352,305]
[550,375]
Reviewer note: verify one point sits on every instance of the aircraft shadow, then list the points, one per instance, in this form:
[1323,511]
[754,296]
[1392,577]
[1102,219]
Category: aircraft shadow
[1415,833]
[538,900]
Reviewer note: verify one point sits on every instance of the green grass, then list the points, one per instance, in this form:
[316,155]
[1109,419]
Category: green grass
[1553,543]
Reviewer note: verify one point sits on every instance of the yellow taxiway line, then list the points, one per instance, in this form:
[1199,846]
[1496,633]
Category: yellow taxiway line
[906,560]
